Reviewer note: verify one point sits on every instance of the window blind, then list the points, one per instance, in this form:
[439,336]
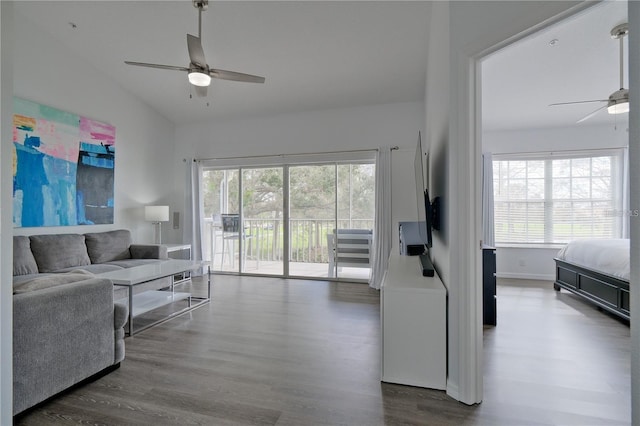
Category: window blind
[557,197]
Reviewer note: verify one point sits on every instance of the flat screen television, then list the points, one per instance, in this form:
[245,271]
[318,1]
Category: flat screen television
[425,209]
[422,197]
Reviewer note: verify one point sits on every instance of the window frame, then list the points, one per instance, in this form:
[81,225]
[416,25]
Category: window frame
[617,184]
[286,162]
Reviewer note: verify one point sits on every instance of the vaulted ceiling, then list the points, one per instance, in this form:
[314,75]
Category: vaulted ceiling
[314,55]
[574,60]
[327,54]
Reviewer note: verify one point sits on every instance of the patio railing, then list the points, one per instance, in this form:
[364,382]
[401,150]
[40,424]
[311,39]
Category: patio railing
[264,240]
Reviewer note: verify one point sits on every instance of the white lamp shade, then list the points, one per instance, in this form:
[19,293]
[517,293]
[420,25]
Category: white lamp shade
[156,213]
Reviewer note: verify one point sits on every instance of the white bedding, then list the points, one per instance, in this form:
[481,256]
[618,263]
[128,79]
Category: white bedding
[608,256]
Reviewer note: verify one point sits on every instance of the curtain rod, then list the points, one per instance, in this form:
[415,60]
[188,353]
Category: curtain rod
[393,148]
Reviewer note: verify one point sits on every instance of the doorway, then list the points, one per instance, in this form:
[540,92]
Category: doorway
[536,140]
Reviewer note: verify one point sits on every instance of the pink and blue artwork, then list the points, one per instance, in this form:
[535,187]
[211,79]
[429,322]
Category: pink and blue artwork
[63,167]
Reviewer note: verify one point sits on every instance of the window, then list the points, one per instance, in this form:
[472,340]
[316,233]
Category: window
[557,197]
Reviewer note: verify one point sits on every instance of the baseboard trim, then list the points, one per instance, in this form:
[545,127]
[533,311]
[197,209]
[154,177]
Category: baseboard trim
[452,390]
[519,276]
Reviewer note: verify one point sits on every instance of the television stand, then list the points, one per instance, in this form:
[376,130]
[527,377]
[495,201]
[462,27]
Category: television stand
[426,265]
[413,324]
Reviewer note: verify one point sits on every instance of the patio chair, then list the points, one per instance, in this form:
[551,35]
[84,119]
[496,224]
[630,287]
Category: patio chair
[230,234]
[349,248]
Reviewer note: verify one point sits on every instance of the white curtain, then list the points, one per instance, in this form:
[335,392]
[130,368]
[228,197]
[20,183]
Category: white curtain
[488,226]
[193,210]
[382,232]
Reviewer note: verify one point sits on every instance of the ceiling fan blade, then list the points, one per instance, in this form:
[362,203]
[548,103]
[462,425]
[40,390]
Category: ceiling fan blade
[235,76]
[579,102]
[201,91]
[162,67]
[196,54]
[591,114]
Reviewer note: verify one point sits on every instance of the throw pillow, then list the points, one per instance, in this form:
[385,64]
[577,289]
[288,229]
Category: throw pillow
[59,251]
[108,246]
[23,260]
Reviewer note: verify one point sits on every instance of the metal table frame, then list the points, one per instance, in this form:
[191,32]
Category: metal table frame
[158,298]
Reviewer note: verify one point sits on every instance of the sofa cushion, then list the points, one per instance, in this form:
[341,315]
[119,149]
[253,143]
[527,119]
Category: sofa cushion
[148,251]
[58,251]
[19,279]
[41,282]
[130,263]
[107,246]
[23,261]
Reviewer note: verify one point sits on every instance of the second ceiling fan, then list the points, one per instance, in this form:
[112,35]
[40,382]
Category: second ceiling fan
[618,101]
[198,71]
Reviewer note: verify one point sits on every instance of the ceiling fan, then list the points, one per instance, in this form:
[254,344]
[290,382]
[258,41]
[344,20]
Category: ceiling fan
[618,102]
[198,71]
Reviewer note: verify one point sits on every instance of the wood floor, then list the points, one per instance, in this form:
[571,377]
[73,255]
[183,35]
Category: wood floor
[287,352]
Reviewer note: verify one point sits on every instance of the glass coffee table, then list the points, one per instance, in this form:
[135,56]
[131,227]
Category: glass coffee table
[153,299]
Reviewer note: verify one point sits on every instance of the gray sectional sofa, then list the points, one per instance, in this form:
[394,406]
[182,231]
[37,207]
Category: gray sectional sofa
[97,252]
[66,327]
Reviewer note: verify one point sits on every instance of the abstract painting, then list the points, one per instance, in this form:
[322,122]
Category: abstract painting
[63,167]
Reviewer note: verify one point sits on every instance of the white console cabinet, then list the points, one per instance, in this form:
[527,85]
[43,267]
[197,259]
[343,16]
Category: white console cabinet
[414,334]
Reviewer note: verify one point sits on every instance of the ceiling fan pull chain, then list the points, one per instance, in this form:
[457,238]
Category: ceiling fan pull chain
[621,62]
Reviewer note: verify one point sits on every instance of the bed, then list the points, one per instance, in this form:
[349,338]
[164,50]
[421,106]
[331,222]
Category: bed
[598,271]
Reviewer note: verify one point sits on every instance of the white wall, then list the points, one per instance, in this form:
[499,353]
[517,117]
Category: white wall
[578,137]
[538,262]
[441,169]
[366,127]
[437,132]
[526,263]
[6,246]
[48,73]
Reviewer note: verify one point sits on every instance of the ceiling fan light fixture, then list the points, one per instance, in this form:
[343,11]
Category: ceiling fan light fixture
[618,108]
[618,102]
[198,71]
[198,78]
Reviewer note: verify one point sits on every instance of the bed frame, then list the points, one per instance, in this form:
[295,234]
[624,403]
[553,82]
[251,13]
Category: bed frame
[605,291]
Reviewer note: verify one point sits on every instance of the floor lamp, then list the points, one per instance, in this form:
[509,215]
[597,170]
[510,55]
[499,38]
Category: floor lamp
[156,215]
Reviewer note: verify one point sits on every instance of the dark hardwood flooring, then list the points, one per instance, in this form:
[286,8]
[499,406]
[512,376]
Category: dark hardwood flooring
[290,352]
[554,359]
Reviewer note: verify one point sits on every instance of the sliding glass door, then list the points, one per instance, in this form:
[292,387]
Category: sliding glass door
[356,211]
[262,212]
[221,208]
[312,218]
[290,220]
